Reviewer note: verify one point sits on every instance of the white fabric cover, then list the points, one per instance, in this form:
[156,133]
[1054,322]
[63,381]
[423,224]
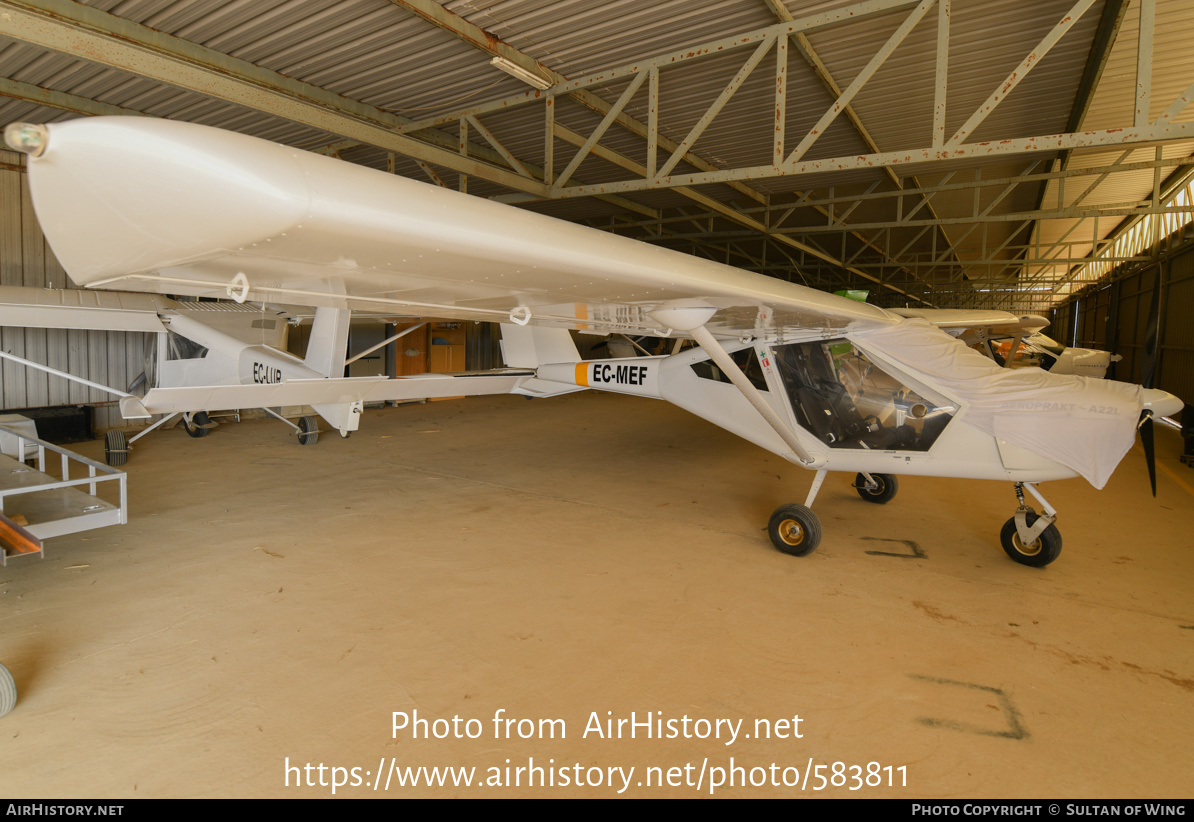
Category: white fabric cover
[1082,423]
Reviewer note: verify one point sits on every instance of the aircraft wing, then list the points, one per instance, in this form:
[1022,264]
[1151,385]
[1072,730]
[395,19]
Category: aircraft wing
[153,205]
[26,307]
[980,324]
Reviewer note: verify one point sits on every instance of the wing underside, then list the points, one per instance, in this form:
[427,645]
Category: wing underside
[159,206]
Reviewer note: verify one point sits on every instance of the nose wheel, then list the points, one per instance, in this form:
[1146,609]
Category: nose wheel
[1035,553]
[1029,538]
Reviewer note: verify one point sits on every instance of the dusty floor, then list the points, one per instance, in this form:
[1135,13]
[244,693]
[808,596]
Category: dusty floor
[583,559]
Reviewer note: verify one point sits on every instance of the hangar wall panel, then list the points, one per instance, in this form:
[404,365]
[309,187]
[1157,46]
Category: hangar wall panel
[1116,318]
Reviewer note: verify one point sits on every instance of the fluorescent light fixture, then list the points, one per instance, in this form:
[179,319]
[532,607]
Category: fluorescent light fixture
[515,70]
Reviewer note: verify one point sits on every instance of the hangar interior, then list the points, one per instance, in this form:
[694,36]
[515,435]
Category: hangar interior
[585,557]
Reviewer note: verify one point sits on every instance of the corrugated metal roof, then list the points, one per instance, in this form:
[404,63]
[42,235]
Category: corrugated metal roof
[380,53]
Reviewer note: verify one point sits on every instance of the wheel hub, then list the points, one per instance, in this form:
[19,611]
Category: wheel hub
[1030,550]
[791,532]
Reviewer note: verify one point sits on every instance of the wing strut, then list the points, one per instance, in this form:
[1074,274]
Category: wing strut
[713,348]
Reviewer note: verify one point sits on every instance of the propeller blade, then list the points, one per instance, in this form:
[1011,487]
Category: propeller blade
[1150,454]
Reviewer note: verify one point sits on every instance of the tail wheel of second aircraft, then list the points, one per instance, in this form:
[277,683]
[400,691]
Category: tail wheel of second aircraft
[794,529]
[884,491]
[1040,553]
[116,448]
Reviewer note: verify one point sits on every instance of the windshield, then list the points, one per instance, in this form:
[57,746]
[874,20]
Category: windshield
[1047,343]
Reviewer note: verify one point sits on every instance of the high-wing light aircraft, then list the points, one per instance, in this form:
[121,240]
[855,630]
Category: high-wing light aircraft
[1042,351]
[205,346]
[823,381]
[1015,341]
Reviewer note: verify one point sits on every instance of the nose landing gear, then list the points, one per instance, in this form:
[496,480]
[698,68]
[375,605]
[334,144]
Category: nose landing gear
[1028,538]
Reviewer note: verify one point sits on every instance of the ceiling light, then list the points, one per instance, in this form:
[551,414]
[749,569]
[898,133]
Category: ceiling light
[515,70]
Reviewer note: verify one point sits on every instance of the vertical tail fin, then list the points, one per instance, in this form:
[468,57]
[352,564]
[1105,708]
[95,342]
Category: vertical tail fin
[328,347]
[532,346]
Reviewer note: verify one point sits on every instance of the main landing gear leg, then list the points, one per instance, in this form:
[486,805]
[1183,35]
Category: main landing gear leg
[1030,539]
[795,529]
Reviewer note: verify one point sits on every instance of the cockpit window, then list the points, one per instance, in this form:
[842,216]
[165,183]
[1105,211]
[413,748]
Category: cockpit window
[745,359]
[180,348]
[846,400]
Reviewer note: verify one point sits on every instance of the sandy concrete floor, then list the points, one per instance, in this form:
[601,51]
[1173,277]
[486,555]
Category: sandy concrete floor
[585,559]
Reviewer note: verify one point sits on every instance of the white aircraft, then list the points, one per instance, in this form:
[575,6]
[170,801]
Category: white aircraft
[825,382]
[1042,351]
[203,346]
[1015,341]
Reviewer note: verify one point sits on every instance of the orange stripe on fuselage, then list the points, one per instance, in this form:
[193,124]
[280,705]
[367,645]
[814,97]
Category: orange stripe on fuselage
[582,374]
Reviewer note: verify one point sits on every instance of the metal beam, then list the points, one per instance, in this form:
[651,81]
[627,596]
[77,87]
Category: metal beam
[934,151]
[61,100]
[843,100]
[1026,65]
[94,35]
[488,43]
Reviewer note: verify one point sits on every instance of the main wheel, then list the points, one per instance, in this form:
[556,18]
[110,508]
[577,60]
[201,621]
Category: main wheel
[8,691]
[308,430]
[885,492]
[116,448]
[1040,553]
[794,529]
[196,426]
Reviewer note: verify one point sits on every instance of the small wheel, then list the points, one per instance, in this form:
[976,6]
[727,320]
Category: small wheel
[196,426]
[8,691]
[345,434]
[116,448]
[794,529]
[308,430]
[884,493]
[1040,553]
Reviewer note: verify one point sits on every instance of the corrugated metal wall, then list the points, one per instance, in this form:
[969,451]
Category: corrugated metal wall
[1115,318]
[113,358]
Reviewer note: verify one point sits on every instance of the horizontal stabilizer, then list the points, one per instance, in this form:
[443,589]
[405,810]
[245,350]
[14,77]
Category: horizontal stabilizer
[535,387]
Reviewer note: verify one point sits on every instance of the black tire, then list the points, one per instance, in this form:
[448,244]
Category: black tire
[196,426]
[308,430]
[1046,548]
[888,486]
[116,448]
[795,530]
[8,691]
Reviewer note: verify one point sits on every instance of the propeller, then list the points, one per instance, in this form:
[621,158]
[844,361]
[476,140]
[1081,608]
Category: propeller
[1145,426]
[1148,369]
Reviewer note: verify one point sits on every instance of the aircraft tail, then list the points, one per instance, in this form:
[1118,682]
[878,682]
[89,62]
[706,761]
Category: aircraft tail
[328,347]
[525,346]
